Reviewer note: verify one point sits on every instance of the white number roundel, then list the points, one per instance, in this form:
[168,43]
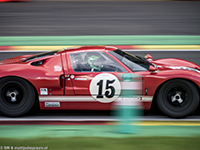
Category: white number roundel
[105,87]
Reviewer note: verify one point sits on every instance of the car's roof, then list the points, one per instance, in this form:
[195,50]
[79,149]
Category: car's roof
[93,48]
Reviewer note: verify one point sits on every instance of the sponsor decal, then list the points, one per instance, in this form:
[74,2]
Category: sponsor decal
[43,91]
[145,98]
[57,68]
[127,77]
[72,76]
[52,104]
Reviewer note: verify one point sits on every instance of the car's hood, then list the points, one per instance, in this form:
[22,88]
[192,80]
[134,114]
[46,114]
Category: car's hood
[174,63]
[14,59]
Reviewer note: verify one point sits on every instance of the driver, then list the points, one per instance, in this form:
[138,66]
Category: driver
[95,63]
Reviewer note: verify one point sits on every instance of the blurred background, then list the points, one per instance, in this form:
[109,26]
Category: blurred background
[61,22]
[67,18]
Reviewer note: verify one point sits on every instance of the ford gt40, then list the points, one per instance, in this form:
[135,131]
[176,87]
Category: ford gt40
[87,78]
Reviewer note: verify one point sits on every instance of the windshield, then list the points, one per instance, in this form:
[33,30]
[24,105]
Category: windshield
[134,63]
[41,55]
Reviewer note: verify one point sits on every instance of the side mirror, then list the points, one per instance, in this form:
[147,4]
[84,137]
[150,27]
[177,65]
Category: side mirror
[152,69]
[148,57]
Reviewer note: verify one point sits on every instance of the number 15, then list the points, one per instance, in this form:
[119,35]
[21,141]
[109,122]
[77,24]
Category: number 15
[107,93]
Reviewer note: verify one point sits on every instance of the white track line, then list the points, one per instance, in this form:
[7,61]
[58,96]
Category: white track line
[96,118]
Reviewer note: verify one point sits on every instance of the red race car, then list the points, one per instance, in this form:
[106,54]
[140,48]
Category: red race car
[85,78]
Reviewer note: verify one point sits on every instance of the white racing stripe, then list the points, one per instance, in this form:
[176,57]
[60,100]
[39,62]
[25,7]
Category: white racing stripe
[84,99]
[145,98]
[67,98]
[137,98]
[131,85]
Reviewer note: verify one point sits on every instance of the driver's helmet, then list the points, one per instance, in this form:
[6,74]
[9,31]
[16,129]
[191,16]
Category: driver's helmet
[95,60]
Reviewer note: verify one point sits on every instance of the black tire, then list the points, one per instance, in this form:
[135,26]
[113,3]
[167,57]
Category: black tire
[178,98]
[17,96]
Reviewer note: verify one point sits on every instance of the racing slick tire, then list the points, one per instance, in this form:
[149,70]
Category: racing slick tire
[178,98]
[17,96]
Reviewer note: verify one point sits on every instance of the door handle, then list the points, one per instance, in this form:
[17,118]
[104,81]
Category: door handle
[62,81]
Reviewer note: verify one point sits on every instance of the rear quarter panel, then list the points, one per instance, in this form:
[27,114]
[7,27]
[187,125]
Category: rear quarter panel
[44,76]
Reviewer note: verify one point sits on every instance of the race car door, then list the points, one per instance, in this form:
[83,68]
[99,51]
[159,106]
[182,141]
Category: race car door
[93,75]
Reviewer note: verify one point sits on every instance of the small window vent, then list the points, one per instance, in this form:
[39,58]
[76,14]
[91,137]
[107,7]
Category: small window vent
[37,63]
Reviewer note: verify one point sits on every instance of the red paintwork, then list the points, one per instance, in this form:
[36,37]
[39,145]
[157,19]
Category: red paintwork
[87,106]
[40,76]
[174,62]
[45,76]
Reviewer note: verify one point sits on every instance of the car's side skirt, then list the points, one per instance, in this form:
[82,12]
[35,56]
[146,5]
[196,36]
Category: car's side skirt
[84,103]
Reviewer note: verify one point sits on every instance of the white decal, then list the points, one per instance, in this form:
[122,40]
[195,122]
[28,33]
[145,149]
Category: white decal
[105,88]
[145,98]
[52,104]
[72,76]
[81,79]
[183,68]
[43,91]
[57,68]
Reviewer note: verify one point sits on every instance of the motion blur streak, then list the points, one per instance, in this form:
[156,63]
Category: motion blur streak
[127,109]
[40,18]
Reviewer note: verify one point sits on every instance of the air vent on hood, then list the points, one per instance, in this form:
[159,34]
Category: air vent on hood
[37,63]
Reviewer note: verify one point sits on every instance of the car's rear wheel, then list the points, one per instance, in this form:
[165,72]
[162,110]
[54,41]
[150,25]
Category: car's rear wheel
[17,96]
[178,98]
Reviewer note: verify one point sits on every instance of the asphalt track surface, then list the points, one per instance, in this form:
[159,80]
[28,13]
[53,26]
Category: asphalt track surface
[51,18]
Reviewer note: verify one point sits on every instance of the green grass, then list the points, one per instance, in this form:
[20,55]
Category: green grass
[100,40]
[96,143]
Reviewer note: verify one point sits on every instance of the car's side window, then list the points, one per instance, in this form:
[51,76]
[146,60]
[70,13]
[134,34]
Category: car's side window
[94,62]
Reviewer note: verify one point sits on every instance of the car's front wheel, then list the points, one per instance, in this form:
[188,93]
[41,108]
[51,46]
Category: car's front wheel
[178,98]
[17,96]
